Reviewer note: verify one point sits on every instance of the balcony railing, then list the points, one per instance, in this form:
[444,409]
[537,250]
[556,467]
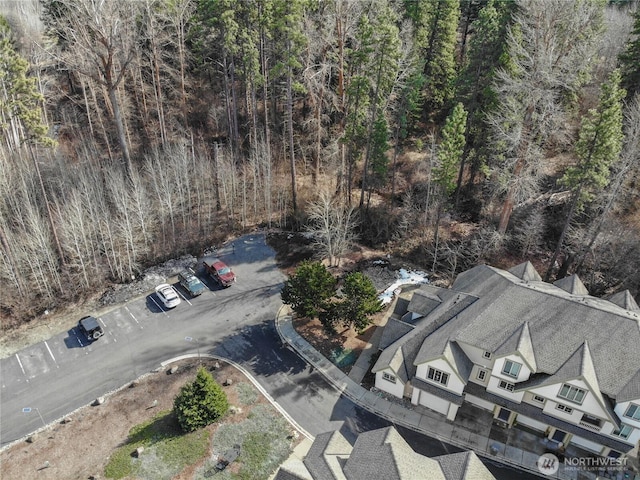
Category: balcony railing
[590,426]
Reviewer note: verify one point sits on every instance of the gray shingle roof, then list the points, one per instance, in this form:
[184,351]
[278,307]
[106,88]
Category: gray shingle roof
[383,453]
[393,330]
[463,466]
[519,341]
[572,284]
[526,271]
[624,300]
[321,459]
[424,300]
[631,391]
[559,323]
[400,356]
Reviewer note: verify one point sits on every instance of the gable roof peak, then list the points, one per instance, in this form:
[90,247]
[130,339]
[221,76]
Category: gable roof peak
[625,300]
[526,271]
[519,342]
[572,284]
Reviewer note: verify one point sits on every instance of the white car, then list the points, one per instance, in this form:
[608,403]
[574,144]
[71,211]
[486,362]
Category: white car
[167,295]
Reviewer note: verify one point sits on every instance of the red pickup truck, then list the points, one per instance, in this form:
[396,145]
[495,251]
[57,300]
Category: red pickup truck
[220,272]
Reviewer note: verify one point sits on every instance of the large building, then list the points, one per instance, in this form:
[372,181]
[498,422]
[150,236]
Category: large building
[378,454]
[548,356]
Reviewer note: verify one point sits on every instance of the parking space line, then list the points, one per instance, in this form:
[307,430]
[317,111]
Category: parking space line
[158,305]
[21,367]
[51,353]
[183,297]
[133,316]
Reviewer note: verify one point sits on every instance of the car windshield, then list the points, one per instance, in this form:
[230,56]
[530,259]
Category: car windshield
[169,293]
[193,281]
[224,270]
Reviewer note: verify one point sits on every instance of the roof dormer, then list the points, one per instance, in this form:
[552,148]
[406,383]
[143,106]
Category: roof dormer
[572,284]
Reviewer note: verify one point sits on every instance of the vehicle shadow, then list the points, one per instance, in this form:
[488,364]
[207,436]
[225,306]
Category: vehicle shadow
[153,304]
[74,339]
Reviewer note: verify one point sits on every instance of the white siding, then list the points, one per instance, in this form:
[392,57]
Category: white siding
[430,401]
[523,374]
[476,355]
[395,389]
[454,384]
[589,405]
[492,387]
[573,417]
[621,408]
[588,444]
[479,402]
[530,422]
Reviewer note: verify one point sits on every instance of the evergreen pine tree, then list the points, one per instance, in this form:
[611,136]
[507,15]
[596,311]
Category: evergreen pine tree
[598,148]
[450,150]
[200,403]
[20,100]
[307,290]
[630,60]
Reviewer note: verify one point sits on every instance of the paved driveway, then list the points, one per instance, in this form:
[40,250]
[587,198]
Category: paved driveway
[48,380]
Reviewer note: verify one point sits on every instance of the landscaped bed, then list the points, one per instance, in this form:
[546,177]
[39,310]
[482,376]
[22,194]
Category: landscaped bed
[101,441]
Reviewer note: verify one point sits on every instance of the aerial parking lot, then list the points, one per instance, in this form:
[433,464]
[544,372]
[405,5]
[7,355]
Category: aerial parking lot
[66,371]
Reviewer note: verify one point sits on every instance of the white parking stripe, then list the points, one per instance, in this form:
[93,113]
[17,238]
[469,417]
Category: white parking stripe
[183,297]
[133,316]
[21,367]
[51,353]
[158,305]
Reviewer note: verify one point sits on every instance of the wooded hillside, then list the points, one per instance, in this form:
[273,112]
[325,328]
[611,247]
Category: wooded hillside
[448,132]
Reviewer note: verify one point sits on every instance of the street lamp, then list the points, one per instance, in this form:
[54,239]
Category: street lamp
[28,410]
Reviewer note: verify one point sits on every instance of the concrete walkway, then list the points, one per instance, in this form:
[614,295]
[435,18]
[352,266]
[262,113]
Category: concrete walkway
[414,417]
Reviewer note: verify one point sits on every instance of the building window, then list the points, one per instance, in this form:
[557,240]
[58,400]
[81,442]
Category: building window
[482,374]
[511,368]
[388,377]
[487,355]
[538,399]
[506,385]
[624,431]
[573,394]
[438,376]
[633,412]
[564,408]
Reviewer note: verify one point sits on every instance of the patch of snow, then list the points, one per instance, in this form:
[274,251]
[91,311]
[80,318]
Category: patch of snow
[404,277]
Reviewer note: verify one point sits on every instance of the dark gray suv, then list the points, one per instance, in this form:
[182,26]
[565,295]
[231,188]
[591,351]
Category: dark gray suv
[90,328]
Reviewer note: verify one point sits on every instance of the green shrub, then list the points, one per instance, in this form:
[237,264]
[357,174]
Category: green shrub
[200,403]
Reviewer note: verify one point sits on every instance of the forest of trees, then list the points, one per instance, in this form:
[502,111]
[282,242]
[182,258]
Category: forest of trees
[450,132]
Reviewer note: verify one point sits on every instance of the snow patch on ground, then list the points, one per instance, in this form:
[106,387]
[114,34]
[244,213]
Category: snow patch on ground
[149,279]
[404,277]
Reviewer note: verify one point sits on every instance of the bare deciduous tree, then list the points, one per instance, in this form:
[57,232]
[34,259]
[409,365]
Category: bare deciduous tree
[332,226]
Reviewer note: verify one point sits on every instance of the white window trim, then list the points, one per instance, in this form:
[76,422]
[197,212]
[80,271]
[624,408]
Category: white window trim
[487,355]
[508,373]
[439,373]
[506,385]
[564,408]
[537,397]
[618,433]
[632,416]
[572,388]
[483,373]
[388,377]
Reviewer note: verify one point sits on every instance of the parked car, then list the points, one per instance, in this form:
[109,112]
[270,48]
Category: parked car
[90,328]
[167,295]
[190,282]
[220,272]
